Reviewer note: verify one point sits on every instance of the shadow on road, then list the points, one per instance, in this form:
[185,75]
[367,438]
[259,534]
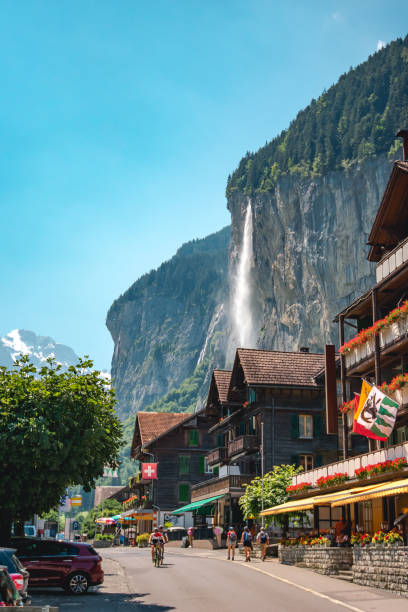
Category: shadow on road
[97,601]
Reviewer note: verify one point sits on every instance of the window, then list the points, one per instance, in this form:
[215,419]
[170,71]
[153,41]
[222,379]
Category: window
[306,461]
[305,426]
[184,493]
[252,426]
[204,467]
[193,437]
[184,464]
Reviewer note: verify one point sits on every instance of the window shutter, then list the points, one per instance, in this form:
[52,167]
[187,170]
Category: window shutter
[317,426]
[318,461]
[294,460]
[242,429]
[294,425]
[220,440]
[184,464]
[251,396]
[202,464]
[184,493]
[193,437]
[216,471]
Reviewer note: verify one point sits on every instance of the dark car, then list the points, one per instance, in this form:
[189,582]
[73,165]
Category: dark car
[16,570]
[74,566]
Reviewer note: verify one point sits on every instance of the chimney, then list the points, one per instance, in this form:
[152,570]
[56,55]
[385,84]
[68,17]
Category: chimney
[404,135]
[304,349]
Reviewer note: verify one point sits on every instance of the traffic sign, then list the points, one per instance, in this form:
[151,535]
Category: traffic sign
[76,500]
[110,472]
[75,525]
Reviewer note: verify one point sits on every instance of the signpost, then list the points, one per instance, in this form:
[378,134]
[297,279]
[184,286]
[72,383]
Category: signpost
[76,501]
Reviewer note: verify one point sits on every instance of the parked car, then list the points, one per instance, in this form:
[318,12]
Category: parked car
[74,566]
[17,571]
[9,596]
[30,530]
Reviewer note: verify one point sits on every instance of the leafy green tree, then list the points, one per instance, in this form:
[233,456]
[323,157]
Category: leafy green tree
[274,490]
[56,429]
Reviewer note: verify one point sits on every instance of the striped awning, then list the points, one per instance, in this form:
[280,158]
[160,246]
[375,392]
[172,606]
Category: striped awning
[308,503]
[389,488]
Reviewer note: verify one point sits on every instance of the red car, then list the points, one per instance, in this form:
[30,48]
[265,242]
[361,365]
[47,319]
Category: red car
[74,566]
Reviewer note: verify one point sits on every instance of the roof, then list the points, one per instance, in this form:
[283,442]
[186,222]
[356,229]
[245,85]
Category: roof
[222,380]
[391,222]
[280,368]
[154,424]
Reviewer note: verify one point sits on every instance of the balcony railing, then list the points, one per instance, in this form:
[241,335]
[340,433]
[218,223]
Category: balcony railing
[242,444]
[392,261]
[349,466]
[219,486]
[388,337]
[218,455]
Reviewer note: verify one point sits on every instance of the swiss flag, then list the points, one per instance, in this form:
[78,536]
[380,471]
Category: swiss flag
[149,471]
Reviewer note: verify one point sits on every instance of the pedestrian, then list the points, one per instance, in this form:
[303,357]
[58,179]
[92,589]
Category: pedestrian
[190,533]
[263,540]
[246,541]
[231,543]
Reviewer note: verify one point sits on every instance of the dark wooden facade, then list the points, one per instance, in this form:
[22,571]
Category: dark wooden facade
[181,456]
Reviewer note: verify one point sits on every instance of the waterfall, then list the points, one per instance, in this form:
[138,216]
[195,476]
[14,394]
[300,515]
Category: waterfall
[242,298]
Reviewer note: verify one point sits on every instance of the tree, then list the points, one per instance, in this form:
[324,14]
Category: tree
[57,429]
[275,484]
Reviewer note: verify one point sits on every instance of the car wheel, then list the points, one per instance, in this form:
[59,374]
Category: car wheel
[77,584]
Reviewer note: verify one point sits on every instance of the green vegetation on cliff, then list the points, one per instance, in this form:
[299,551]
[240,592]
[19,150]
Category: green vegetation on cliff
[356,118]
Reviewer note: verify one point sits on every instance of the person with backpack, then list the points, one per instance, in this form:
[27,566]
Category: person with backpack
[263,540]
[246,541]
[231,543]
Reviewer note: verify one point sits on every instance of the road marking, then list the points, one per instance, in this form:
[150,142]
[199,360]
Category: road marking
[299,586]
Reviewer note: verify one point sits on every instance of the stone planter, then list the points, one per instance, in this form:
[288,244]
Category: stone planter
[102,543]
[382,567]
[321,559]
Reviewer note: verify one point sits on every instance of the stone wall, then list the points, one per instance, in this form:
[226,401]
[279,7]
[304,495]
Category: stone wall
[382,567]
[328,561]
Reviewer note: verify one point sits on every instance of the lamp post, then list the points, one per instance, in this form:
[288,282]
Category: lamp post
[262,472]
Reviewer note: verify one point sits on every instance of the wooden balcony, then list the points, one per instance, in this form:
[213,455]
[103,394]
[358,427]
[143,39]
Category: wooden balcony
[348,466]
[243,444]
[219,486]
[391,338]
[218,455]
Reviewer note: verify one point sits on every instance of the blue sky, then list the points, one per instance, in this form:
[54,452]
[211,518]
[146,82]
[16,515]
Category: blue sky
[120,122]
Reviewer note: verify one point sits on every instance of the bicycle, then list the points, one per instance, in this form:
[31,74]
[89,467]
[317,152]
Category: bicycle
[157,555]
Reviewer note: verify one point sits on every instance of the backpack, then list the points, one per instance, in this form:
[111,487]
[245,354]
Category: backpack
[247,538]
[263,538]
[232,536]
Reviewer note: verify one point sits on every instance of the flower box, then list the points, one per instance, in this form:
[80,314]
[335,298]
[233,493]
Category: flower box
[387,336]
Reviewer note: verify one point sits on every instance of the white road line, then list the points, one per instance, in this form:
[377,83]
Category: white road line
[299,586]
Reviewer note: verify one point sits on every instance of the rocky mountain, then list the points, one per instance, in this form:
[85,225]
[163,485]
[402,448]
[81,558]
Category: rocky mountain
[301,209]
[39,348]
[168,322]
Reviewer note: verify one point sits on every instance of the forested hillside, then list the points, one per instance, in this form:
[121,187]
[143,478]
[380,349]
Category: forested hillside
[356,118]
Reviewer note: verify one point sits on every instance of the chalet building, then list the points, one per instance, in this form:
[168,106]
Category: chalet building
[376,350]
[179,444]
[270,397]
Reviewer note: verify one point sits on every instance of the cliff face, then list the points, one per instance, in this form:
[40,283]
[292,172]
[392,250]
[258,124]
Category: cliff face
[309,253]
[166,323]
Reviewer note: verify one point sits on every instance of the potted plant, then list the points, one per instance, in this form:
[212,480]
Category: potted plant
[393,538]
[378,538]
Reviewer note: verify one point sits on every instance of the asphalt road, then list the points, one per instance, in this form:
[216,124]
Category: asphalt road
[202,581]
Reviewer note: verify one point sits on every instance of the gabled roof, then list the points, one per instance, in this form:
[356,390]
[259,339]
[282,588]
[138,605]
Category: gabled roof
[279,368]
[151,425]
[391,222]
[222,381]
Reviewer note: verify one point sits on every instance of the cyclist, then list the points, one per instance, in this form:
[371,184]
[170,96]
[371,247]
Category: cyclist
[156,539]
